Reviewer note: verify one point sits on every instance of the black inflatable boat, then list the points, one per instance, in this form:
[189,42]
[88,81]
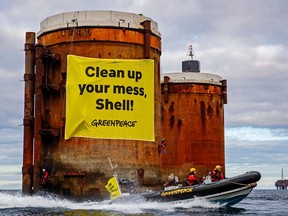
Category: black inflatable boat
[227,192]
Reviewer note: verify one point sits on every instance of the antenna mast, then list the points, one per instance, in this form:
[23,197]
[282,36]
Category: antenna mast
[190,52]
[190,65]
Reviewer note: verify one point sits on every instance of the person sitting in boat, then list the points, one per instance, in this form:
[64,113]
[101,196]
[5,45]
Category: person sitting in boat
[216,174]
[172,181]
[192,179]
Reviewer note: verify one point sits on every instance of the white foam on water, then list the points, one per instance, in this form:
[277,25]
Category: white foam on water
[18,200]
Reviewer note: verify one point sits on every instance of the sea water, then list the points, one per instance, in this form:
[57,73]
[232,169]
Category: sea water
[258,202]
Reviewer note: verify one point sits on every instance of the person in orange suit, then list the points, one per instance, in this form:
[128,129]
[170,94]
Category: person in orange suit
[216,174]
[192,179]
[44,177]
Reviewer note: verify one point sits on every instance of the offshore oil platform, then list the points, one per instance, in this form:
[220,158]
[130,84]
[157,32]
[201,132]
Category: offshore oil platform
[186,108]
[282,183]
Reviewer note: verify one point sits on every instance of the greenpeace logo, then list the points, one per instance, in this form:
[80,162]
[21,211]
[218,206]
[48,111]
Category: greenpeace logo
[112,123]
[178,191]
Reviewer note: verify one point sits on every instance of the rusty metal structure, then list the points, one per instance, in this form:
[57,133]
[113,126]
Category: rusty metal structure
[189,108]
[79,167]
[192,117]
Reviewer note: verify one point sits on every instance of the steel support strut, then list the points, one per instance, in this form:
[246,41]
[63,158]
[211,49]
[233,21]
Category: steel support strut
[38,116]
[27,169]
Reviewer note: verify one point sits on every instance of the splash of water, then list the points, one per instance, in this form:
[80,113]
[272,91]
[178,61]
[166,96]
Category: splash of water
[17,200]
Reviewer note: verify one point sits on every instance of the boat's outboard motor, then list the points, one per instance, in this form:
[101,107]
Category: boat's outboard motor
[127,185]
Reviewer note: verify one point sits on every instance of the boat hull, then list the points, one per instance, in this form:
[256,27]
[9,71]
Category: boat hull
[231,197]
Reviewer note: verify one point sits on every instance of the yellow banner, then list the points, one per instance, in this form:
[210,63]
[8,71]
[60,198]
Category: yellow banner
[113,189]
[109,98]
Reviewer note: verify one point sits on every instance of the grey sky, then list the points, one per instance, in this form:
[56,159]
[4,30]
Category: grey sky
[245,42]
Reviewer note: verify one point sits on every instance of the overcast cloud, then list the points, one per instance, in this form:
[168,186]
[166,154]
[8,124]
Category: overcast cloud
[245,42]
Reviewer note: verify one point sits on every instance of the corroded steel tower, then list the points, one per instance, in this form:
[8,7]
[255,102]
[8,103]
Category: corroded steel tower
[79,166]
[192,117]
